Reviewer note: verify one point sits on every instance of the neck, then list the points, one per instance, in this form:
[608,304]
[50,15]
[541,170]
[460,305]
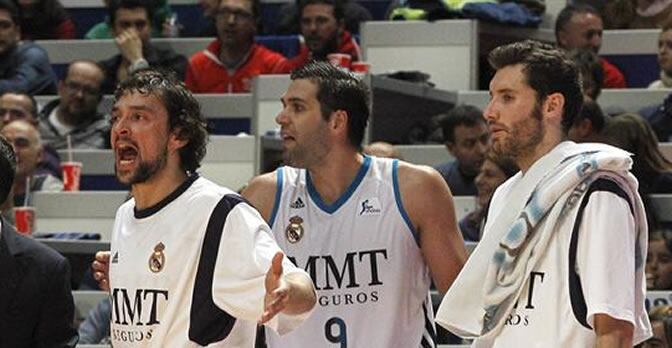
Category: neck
[333,177]
[158,187]
[231,55]
[19,185]
[65,117]
[666,78]
[526,161]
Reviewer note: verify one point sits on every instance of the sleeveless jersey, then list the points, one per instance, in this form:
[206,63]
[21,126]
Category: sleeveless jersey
[190,271]
[362,254]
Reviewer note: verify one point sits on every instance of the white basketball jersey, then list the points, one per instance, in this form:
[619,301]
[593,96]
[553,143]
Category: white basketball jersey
[362,254]
[190,271]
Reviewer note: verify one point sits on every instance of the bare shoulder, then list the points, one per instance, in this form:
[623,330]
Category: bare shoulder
[418,177]
[260,192]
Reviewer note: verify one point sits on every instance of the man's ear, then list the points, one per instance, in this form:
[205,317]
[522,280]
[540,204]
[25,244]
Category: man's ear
[562,38]
[554,105]
[176,140]
[450,146]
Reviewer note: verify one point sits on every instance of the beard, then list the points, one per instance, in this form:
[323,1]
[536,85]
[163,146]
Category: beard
[313,150]
[320,52]
[145,170]
[523,138]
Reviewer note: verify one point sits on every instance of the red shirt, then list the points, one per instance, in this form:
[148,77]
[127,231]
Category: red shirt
[207,74]
[613,78]
[348,45]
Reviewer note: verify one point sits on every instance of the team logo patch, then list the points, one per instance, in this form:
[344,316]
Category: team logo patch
[298,204]
[294,231]
[369,206]
[157,259]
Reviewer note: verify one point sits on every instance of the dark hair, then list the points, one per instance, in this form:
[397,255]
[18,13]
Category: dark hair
[506,164]
[547,70]
[339,11]
[593,112]
[184,111]
[589,64]
[461,115]
[339,90]
[12,9]
[33,102]
[7,168]
[115,5]
[568,12]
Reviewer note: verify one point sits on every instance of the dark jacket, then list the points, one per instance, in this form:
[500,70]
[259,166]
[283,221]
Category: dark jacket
[26,69]
[157,58]
[94,134]
[36,306]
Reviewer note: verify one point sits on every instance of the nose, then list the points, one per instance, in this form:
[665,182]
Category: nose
[281,117]
[596,42]
[489,111]
[120,127]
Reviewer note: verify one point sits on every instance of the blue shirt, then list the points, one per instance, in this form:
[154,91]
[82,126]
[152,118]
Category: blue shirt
[459,184]
[26,69]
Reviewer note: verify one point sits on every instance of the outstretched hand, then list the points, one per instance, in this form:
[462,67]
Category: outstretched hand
[101,269]
[277,290]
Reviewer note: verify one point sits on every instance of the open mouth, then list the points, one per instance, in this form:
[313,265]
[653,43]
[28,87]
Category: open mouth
[126,154]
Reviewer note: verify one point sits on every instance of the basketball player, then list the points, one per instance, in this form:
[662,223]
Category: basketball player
[561,263]
[371,232]
[189,258]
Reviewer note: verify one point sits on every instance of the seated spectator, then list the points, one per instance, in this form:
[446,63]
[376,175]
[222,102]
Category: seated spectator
[381,149]
[95,329]
[160,9]
[18,106]
[664,58]
[322,33]
[35,293]
[289,18]
[75,113]
[466,137]
[661,324]
[659,262]
[580,27]
[28,148]
[131,21]
[44,20]
[494,172]
[229,63]
[24,67]
[587,127]
[591,72]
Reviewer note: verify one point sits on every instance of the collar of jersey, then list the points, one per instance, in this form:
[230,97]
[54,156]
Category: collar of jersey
[147,212]
[330,209]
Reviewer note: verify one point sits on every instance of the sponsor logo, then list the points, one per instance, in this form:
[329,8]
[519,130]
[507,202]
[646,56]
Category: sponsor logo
[294,231]
[298,204]
[157,259]
[134,313]
[369,206]
[115,258]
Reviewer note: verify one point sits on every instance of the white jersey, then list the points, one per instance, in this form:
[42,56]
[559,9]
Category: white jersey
[363,256]
[190,271]
[588,269]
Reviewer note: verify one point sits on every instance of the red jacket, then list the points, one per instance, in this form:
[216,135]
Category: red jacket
[207,74]
[613,78]
[348,45]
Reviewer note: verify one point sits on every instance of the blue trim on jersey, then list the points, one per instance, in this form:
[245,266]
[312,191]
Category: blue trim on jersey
[278,195]
[397,198]
[330,209]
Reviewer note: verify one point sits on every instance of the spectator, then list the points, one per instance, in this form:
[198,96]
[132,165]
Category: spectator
[661,323]
[494,171]
[95,329]
[591,71]
[229,63]
[659,263]
[75,113]
[580,26]
[290,20]
[28,148]
[44,20]
[664,58]
[160,9]
[24,67]
[35,293]
[19,106]
[466,137]
[382,149]
[588,124]
[323,32]
[131,21]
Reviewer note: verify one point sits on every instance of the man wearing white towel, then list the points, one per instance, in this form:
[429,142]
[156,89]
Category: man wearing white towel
[561,260]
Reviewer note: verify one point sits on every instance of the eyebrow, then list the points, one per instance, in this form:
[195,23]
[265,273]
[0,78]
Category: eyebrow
[135,107]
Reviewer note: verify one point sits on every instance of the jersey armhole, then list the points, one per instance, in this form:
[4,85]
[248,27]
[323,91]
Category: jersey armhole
[278,196]
[400,205]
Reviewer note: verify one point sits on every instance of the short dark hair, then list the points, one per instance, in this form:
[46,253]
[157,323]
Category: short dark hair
[339,90]
[33,102]
[12,9]
[588,63]
[7,168]
[339,11]
[568,12]
[115,5]
[461,115]
[592,111]
[547,70]
[184,111]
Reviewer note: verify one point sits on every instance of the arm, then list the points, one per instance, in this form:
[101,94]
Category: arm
[96,326]
[260,192]
[33,72]
[429,204]
[58,310]
[612,332]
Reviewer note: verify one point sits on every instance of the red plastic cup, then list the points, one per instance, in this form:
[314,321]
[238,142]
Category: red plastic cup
[72,171]
[341,60]
[24,218]
[360,67]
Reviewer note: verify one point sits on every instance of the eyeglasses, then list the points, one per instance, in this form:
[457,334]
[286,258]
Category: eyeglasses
[74,87]
[238,15]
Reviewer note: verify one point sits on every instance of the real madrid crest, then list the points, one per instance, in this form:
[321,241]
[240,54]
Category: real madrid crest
[294,231]
[157,259]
